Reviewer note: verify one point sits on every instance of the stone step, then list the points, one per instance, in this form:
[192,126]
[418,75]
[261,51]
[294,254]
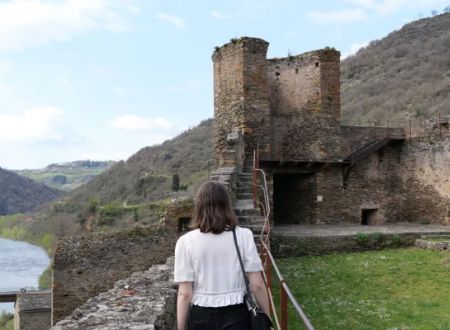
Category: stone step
[244,184]
[251,220]
[244,190]
[240,212]
[245,207]
[245,219]
[256,229]
[244,196]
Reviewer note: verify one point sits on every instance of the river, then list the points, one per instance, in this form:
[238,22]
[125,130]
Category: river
[21,264]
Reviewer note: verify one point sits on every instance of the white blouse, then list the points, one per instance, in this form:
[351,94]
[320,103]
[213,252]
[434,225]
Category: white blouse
[211,262]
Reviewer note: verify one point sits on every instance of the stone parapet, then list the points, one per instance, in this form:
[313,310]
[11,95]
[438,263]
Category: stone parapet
[86,265]
[145,300]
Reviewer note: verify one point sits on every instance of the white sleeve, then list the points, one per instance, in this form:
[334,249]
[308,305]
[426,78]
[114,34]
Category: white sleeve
[184,270]
[252,261]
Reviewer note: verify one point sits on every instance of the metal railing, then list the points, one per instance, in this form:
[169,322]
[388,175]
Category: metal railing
[281,320]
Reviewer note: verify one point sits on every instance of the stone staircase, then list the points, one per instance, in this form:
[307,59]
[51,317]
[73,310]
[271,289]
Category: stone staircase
[248,215]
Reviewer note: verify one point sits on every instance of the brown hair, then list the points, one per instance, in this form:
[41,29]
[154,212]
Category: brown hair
[213,211]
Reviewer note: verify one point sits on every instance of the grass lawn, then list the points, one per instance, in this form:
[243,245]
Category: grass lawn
[389,289]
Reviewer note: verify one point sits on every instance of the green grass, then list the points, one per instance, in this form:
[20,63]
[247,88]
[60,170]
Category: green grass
[438,238]
[388,289]
[6,321]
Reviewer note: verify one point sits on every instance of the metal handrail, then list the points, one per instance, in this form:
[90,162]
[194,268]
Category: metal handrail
[268,259]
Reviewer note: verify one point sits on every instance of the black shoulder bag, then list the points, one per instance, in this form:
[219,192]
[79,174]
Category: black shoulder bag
[260,321]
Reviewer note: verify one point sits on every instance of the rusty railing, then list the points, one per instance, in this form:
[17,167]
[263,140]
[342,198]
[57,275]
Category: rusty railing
[281,319]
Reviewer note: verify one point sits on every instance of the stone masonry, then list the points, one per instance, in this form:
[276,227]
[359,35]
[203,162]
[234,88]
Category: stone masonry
[88,265]
[144,300]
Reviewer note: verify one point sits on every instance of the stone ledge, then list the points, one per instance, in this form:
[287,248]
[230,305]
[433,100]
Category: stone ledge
[145,300]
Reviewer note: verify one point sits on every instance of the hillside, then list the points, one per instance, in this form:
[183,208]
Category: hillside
[403,76]
[147,175]
[19,194]
[67,176]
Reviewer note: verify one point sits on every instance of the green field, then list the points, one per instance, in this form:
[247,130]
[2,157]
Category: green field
[67,176]
[388,289]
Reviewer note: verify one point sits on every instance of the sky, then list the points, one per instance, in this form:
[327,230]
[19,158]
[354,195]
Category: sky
[100,79]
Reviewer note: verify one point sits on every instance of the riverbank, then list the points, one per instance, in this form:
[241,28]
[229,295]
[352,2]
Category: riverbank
[21,265]
[17,227]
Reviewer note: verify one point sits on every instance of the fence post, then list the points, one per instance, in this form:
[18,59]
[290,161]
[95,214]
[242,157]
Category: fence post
[440,126]
[254,179]
[283,307]
[269,277]
[410,132]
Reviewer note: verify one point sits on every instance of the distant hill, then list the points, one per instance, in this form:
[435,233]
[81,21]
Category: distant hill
[147,175]
[405,75]
[19,194]
[67,176]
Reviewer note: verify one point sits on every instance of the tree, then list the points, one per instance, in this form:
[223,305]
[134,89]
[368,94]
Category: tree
[175,182]
[434,12]
[446,9]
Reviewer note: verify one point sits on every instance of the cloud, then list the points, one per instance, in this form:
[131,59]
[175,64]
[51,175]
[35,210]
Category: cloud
[31,126]
[137,123]
[178,22]
[339,16]
[354,49]
[218,15]
[190,86]
[26,23]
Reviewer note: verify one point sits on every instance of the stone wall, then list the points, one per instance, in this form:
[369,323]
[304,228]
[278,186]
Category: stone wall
[293,246]
[401,182]
[145,300]
[87,265]
[305,107]
[33,311]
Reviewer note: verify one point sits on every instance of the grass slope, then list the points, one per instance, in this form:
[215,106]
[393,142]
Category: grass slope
[147,175]
[389,289]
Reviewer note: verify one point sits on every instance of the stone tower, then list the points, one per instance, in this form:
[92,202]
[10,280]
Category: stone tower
[287,107]
[240,94]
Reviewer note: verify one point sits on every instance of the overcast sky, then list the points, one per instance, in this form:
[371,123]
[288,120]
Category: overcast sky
[100,79]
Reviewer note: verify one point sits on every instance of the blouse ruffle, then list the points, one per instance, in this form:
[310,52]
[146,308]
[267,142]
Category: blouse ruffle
[218,300]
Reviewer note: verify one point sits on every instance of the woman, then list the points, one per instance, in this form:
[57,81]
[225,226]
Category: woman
[211,284]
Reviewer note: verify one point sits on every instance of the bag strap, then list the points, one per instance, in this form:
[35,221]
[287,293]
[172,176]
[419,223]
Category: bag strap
[249,296]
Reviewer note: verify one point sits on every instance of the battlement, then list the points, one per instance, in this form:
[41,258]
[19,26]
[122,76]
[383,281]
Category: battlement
[254,45]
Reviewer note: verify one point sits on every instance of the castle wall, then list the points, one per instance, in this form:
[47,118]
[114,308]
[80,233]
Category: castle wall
[87,265]
[305,107]
[290,108]
[400,183]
